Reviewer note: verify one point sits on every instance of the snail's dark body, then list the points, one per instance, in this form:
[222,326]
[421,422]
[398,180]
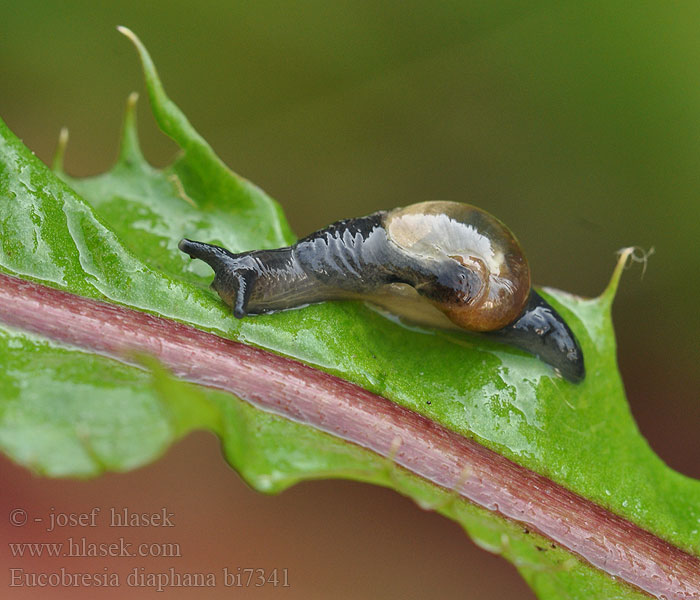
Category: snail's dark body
[464,262]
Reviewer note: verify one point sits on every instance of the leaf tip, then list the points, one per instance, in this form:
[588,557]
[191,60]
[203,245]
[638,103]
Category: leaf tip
[130,150]
[170,118]
[57,162]
[128,33]
[131,101]
[626,256]
[153,84]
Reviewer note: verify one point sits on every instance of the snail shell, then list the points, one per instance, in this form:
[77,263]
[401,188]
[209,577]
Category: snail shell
[465,240]
[445,264]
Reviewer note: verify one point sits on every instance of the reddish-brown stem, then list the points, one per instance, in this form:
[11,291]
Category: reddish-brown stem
[299,392]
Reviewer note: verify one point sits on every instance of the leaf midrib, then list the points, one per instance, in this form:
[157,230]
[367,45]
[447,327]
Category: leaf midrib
[323,401]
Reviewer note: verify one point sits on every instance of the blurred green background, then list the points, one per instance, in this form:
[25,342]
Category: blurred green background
[577,124]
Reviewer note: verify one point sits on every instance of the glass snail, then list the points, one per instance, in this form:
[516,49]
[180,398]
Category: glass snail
[443,264]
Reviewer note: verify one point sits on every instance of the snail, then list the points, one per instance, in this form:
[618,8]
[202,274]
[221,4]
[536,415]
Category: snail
[443,264]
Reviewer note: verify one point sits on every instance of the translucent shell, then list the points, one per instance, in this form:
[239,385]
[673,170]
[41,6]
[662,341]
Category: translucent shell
[453,237]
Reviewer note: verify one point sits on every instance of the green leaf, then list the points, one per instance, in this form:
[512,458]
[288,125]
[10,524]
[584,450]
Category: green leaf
[114,237]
